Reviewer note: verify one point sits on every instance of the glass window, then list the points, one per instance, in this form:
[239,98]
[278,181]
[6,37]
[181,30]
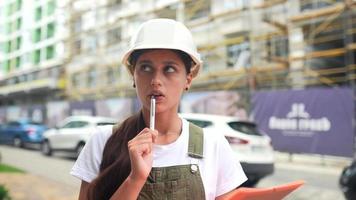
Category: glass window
[200,123]
[50,52]
[238,51]
[92,75]
[38,14]
[195,10]
[13,123]
[105,123]
[50,7]
[76,124]
[18,43]
[245,127]
[18,62]
[50,30]
[37,56]
[18,5]
[114,36]
[37,35]
[18,23]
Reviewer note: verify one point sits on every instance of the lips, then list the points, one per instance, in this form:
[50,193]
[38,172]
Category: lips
[157,94]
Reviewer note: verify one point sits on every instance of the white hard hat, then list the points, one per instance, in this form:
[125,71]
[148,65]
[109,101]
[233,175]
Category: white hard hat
[164,34]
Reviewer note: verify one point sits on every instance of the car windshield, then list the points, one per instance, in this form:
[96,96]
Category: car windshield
[245,127]
[105,123]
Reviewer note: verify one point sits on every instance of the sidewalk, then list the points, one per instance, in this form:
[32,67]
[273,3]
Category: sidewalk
[32,187]
[327,164]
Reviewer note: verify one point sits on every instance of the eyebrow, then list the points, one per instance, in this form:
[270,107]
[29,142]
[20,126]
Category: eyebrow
[150,62]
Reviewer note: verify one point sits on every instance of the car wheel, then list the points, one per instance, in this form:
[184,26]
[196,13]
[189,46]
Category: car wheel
[79,149]
[46,148]
[17,142]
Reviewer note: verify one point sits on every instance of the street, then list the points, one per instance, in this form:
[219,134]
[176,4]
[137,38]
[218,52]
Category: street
[321,176]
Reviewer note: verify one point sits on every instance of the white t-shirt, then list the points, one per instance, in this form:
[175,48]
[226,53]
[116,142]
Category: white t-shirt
[220,170]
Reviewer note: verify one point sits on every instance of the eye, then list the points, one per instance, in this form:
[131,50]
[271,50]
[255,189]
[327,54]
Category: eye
[170,69]
[145,68]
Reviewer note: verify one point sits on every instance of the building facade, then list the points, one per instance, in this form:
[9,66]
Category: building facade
[71,50]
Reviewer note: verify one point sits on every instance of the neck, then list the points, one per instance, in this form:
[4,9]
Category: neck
[165,122]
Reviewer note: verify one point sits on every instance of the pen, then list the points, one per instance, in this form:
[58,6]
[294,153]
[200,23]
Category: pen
[152,113]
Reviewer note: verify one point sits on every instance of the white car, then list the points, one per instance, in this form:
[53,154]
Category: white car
[72,134]
[252,147]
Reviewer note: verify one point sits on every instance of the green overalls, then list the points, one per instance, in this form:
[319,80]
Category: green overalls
[178,182]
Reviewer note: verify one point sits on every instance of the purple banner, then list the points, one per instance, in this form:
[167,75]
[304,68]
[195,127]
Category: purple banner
[317,121]
[82,108]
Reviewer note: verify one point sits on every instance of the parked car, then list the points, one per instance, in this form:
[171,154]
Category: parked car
[72,134]
[252,147]
[347,181]
[21,132]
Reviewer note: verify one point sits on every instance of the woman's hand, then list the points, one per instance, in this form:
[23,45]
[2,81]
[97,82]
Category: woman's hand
[140,151]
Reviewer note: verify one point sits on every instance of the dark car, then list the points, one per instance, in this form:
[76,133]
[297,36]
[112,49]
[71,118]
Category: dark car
[20,132]
[348,181]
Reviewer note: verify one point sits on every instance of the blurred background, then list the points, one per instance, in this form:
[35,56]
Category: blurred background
[287,65]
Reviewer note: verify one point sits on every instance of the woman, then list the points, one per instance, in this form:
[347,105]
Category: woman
[174,161]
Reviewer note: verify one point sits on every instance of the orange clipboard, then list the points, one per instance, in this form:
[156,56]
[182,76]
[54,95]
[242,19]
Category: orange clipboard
[271,193]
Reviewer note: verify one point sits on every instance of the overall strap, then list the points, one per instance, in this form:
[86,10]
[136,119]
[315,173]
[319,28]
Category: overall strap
[196,141]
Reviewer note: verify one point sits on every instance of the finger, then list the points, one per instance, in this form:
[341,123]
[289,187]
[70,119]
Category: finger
[154,135]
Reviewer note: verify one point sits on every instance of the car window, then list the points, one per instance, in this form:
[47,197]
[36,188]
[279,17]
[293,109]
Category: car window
[245,127]
[75,124]
[200,123]
[13,123]
[105,123]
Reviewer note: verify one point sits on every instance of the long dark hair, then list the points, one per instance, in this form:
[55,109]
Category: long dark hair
[115,166]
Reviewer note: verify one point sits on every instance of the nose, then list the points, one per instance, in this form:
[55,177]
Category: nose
[156,79]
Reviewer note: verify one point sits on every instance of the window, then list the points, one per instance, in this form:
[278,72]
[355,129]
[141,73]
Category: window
[8,27]
[114,36]
[7,65]
[78,25]
[76,124]
[50,30]
[200,123]
[18,43]
[245,127]
[18,5]
[50,7]
[18,23]
[38,14]
[8,47]
[37,56]
[195,10]
[92,78]
[77,47]
[76,80]
[105,123]
[50,52]
[13,123]
[111,76]
[37,35]
[18,62]
[238,51]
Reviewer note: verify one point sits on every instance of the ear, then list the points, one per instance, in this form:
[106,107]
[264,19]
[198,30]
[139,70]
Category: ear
[188,81]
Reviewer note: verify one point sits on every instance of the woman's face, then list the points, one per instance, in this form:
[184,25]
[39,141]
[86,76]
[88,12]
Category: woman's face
[162,74]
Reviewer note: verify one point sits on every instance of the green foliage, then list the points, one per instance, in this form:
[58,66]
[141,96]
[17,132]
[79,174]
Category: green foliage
[7,168]
[4,194]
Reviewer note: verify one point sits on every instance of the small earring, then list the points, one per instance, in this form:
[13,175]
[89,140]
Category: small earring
[134,85]
[186,89]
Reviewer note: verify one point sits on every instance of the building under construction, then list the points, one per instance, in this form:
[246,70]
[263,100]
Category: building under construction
[245,45]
